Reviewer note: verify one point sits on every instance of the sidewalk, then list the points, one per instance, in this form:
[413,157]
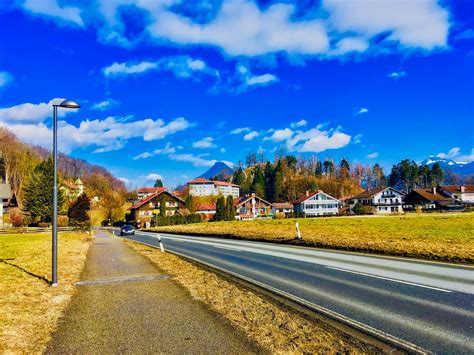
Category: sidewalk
[125,304]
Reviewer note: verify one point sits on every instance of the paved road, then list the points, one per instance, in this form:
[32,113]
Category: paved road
[124,304]
[430,305]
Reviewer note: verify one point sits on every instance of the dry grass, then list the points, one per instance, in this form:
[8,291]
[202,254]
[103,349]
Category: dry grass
[29,307]
[271,325]
[445,237]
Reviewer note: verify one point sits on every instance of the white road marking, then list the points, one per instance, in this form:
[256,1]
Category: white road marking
[389,279]
[228,248]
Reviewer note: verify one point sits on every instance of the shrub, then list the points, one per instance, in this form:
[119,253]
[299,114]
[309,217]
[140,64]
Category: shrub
[63,221]
[360,209]
[16,218]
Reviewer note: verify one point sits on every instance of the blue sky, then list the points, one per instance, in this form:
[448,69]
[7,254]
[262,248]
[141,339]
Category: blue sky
[169,87]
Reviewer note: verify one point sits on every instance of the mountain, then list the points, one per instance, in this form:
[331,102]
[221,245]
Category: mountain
[219,170]
[461,168]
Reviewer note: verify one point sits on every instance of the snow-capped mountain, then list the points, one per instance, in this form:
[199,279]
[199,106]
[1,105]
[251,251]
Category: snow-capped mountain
[461,168]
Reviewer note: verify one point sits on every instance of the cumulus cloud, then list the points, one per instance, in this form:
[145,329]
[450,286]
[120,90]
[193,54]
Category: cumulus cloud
[207,142]
[104,105]
[373,155]
[154,176]
[316,140]
[298,124]
[5,78]
[251,135]
[168,149]
[28,112]
[280,135]
[397,75]
[361,111]
[456,155]
[182,66]
[240,130]
[243,28]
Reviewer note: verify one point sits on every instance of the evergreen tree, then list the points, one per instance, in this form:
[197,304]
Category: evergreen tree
[328,167]
[158,183]
[239,176]
[220,209]
[230,209]
[436,175]
[189,202]
[78,213]
[344,169]
[278,188]
[269,182]
[39,192]
[163,206]
[258,184]
[319,169]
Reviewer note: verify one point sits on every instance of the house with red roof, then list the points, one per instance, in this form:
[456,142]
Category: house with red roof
[145,210]
[381,200]
[432,199]
[463,193]
[206,210]
[144,192]
[205,187]
[317,203]
[251,207]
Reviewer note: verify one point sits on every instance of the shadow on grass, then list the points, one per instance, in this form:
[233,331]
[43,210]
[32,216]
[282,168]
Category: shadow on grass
[42,278]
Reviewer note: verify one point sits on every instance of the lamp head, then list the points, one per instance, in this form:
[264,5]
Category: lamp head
[69,104]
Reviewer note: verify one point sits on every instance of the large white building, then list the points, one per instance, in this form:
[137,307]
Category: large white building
[317,203]
[463,193]
[204,187]
[382,200]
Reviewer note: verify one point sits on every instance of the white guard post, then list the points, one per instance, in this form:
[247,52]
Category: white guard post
[298,233]
[161,244]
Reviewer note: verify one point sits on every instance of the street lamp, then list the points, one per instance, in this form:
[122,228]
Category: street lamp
[64,104]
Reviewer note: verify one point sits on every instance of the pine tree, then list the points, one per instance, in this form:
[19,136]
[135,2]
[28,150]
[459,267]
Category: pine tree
[163,206]
[230,209]
[269,184]
[39,192]
[278,182]
[239,176]
[318,171]
[258,184]
[78,213]
[220,209]
[189,202]
[436,174]
[158,183]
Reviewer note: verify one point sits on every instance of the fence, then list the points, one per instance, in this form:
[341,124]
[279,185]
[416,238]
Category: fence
[25,230]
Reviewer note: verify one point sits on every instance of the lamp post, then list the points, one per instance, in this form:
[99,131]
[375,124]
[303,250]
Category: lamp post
[64,104]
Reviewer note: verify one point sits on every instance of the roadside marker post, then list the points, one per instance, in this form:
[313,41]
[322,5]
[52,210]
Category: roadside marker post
[161,244]
[298,233]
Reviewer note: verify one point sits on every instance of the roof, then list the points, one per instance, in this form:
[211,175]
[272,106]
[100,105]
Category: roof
[151,189]
[205,206]
[304,197]
[215,182]
[457,188]
[5,191]
[244,199]
[142,202]
[428,194]
[279,205]
[371,192]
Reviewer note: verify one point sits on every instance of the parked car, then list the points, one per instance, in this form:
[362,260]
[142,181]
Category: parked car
[127,230]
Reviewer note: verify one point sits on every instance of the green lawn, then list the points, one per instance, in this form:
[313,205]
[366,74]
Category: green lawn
[29,307]
[446,237]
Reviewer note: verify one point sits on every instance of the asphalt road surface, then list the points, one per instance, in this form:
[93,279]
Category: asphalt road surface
[421,304]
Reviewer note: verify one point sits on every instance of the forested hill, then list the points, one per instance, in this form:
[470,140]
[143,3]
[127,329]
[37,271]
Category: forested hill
[18,159]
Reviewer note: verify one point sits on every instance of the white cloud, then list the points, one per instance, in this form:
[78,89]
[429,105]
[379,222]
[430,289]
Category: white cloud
[143,155]
[222,150]
[244,80]
[456,155]
[125,180]
[397,75]
[316,140]
[106,135]
[5,78]
[28,112]
[373,155]
[197,161]
[154,176]
[262,80]
[104,105]
[349,45]
[420,24]
[207,142]
[239,130]
[182,66]
[168,149]
[300,123]
[251,135]
[67,14]
[280,135]
[361,111]
[358,138]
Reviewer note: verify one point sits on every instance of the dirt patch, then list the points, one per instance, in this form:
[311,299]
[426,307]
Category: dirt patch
[29,307]
[268,323]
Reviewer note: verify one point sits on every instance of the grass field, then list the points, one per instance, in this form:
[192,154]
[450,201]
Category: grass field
[29,307]
[444,237]
[273,326]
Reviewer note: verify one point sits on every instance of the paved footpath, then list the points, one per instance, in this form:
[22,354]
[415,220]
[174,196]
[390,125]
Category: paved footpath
[124,304]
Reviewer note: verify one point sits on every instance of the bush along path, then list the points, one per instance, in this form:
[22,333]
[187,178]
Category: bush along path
[125,304]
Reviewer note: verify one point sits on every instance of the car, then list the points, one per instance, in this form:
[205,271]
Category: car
[127,230]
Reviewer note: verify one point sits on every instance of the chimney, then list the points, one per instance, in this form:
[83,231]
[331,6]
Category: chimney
[307,193]
[463,188]
[433,190]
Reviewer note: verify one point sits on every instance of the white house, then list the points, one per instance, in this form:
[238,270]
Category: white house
[317,203]
[252,207]
[144,192]
[204,187]
[282,207]
[7,201]
[463,193]
[382,200]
